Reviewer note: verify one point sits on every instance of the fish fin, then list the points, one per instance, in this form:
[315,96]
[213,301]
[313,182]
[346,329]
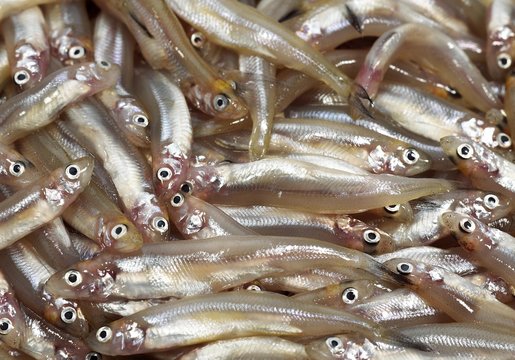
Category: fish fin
[358,109]
[354,20]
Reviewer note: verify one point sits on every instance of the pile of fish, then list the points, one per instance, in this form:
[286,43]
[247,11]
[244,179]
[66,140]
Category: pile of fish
[274,179]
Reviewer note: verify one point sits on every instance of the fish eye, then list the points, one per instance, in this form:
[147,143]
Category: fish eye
[140,120]
[220,102]
[106,65]
[17,168]
[334,343]
[118,231]
[393,208]
[104,334]
[197,39]
[68,315]
[467,225]
[164,174]
[410,156]
[253,287]
[405,268]
[491,201]
[350,295]
[76,52]
[187,187]
[465,151]
[177,200]
[93,356]
[21,77]
[503,61]
[72,172]
[6,326]
[371,237]
[160,224]
[504,140]
[73,278]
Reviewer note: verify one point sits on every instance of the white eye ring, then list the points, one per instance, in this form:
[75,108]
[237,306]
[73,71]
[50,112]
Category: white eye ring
[68,315]
[6,326]
[106,65]
[253,287]
[140,120]
[393,208]
[76,52]
[93,356]
[350,295]
[17,168]
[73,278]
[164,174]
[21,77]
[104,334]
[118,231]
[177,200]
[197,39]
[220,102]
[334,343]
[72,172]
[371,237]
[467,225]
[504,61]
[160,224]
[465,151]
[405,268]
[504,140]
[491,201]
[410,156]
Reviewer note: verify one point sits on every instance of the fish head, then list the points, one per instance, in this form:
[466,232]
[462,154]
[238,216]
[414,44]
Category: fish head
[408,161]
[348,346]
[170,170]
[121,235]
[356,234]
[410,272]
[66,314]
[482,205]
[469,156]
[188,214]
[12,319]
[97,75]
[124,336]
[469,232]
[15,170]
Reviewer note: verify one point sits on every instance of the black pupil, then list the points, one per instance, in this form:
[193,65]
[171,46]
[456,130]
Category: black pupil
[17,168]
[372,236]
[197,39]
[504,138]
[465,150]
[103,334]
[4,326]
[68,315]
[141,119]
[73,171]
[163,173]
[176,199]
[77,52]
[93,357]
[161,223]
[72,278]
[21,76]
[467,224]
[351,295]
[334,343]
[118,230]
[454,93]
[504,61]
[185,188]
[404,267]
[411,156]
[104,63]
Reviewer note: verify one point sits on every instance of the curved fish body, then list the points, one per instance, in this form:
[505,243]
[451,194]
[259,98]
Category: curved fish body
[454,295]
[39,106]
[492,248]
[428,47]
[69,31]
[289,183]
[9,7]
[171,130]
[42,201]
[192,267]
[129,171]
[220,20]
[222,316]
[486,169]
[341,230]
[255,347]
[26,41]
[500,45]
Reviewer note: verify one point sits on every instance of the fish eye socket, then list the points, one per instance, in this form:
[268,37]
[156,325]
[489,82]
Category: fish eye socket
[253,287]
[491,201]
[140,120]
[118,231]
[410,156]
[371,237]
[76,52]
[104,334]
[106,65]
[177,200]
[73,278]
[6,326]
[465,151]
[93,356]
[467,225]
[187,187]
[334,343]
[17,168]
[68,315]
[21,77]
[197,39]
[393,208]
[504,140]
[405,268]
[503,61]
[72,172]
[350,295]
[164,174]
[160,224]
[220,102]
